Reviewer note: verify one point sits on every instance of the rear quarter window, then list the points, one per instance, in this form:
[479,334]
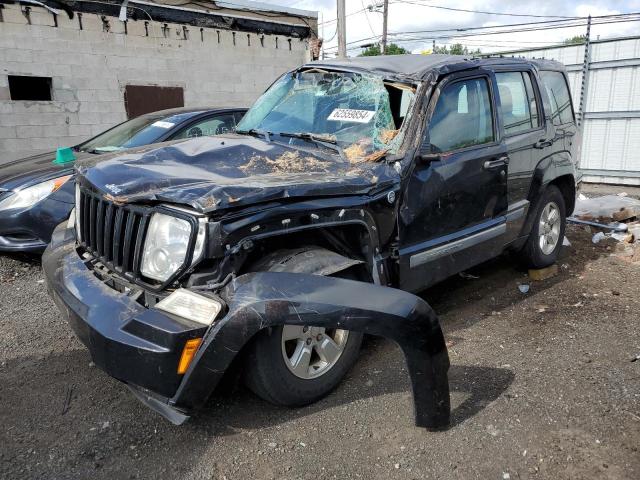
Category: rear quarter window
[557,89]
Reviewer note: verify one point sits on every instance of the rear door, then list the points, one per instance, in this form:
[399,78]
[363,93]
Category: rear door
[453,210]
[525,136]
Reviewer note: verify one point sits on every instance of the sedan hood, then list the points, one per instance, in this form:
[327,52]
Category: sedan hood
[213,173]
[32,170]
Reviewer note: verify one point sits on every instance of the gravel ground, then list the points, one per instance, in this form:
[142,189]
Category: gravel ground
[543,386]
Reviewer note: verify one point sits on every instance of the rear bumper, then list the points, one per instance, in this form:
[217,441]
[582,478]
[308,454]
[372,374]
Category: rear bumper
[141,346]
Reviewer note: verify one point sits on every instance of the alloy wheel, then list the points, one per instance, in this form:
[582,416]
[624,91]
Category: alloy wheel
[310,352]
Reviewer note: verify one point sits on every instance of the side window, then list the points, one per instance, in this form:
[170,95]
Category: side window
[462,117]
[517,101]
[209,126]
[556,86]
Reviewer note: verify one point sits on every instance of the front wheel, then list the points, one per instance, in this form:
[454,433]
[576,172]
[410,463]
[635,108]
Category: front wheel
[295,365]
[547,233]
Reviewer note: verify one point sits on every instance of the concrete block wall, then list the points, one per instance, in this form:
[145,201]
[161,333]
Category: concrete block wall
[90,68]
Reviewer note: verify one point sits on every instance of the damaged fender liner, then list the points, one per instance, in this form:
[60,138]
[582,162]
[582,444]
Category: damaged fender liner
[267,299]
[141,346]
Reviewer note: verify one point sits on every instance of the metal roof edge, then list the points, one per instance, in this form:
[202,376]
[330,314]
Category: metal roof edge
[267,7]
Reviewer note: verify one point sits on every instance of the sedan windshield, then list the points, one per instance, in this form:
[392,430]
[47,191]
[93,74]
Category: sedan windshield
[139,131]
[360,113]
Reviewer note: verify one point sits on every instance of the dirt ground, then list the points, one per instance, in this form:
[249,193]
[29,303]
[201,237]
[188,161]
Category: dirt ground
[544,386]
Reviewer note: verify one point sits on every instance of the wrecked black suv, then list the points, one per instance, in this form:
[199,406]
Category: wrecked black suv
[274,248]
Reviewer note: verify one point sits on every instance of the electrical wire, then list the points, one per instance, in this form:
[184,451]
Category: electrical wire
[366,14]
[497,29]
[482,12]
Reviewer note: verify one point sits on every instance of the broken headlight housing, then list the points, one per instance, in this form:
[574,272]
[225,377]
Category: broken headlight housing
[166,244]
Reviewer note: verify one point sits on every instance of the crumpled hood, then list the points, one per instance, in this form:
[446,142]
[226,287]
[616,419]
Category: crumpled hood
[213,173]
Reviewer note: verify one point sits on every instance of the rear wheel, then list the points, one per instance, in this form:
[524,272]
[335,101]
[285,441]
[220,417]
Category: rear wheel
[294,365]
[547,233]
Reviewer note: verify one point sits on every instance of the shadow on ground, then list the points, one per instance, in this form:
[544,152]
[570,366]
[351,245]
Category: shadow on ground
[61,405]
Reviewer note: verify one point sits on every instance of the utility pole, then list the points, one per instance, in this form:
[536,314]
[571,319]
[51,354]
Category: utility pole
[342,30]
[584,87]
[385,14]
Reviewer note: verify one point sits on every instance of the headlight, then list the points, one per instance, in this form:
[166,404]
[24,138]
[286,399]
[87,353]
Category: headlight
[165,247]
[31,195]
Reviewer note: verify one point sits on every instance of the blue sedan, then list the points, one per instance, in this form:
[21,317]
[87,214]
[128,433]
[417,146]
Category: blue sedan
[37,193]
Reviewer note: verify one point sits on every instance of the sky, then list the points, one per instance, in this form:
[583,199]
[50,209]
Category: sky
[412,15]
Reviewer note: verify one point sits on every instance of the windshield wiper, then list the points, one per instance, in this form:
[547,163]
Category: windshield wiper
[328,141]
[254,132]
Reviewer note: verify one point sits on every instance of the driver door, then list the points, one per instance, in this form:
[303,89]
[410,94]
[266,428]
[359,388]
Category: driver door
[455,199]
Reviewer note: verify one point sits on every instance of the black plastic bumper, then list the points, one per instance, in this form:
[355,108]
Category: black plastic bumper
[134,344]
[29,230]
[142,346]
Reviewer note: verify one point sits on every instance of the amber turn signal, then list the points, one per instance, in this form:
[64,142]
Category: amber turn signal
[189,350]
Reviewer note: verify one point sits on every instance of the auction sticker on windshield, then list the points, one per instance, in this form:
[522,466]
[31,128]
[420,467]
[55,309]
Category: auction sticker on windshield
[162,124]
[348,115]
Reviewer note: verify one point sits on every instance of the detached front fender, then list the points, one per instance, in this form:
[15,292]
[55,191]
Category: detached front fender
[267,299]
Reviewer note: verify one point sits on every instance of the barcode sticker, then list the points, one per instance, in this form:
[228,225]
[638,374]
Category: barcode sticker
[348,115]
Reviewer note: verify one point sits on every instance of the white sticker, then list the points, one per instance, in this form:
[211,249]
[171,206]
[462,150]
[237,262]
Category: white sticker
[162,124]
[348,115]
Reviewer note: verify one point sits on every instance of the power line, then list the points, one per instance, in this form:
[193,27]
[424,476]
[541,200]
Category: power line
[366,14]
[347,15]
[482,12]
[496,29]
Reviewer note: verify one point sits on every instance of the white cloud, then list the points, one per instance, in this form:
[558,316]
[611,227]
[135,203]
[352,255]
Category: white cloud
[404,16]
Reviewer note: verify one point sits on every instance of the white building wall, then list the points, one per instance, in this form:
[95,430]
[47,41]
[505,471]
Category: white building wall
[611,137]
[90,68]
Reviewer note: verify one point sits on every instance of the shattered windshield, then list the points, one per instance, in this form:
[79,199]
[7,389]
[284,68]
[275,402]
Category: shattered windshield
[360,113]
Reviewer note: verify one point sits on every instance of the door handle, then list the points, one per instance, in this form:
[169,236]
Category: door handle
[495,164]
[542,143]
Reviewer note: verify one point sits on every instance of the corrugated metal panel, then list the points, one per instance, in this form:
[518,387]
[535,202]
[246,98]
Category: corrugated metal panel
[614,89]
[575,78]
[611,145]
[623,49]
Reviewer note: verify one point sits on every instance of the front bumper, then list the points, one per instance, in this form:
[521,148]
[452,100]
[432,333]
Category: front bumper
[137,345]
[29,229]
[141,346]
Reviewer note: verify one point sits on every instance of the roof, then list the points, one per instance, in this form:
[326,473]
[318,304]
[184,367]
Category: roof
[415,67]
[194,110]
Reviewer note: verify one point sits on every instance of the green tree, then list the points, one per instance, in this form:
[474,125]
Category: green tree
[456,49]
[374,50]
[577,40]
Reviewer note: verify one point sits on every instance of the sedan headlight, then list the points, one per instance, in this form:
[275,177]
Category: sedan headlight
[166,244]
[29,196]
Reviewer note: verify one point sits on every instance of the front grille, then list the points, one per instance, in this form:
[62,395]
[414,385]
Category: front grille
[113,233]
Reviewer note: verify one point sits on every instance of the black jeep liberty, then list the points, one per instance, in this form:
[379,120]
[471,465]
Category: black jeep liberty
[349,184]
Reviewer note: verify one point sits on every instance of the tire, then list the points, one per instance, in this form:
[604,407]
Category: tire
[267,374]
[539,253]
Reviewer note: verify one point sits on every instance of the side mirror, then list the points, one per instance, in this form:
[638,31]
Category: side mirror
[426,156]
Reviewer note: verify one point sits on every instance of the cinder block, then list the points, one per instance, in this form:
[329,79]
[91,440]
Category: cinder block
[544,273]
[29,131]
[8,132]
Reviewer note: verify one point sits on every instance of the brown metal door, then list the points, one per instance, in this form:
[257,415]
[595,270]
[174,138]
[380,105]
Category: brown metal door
[141,99]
